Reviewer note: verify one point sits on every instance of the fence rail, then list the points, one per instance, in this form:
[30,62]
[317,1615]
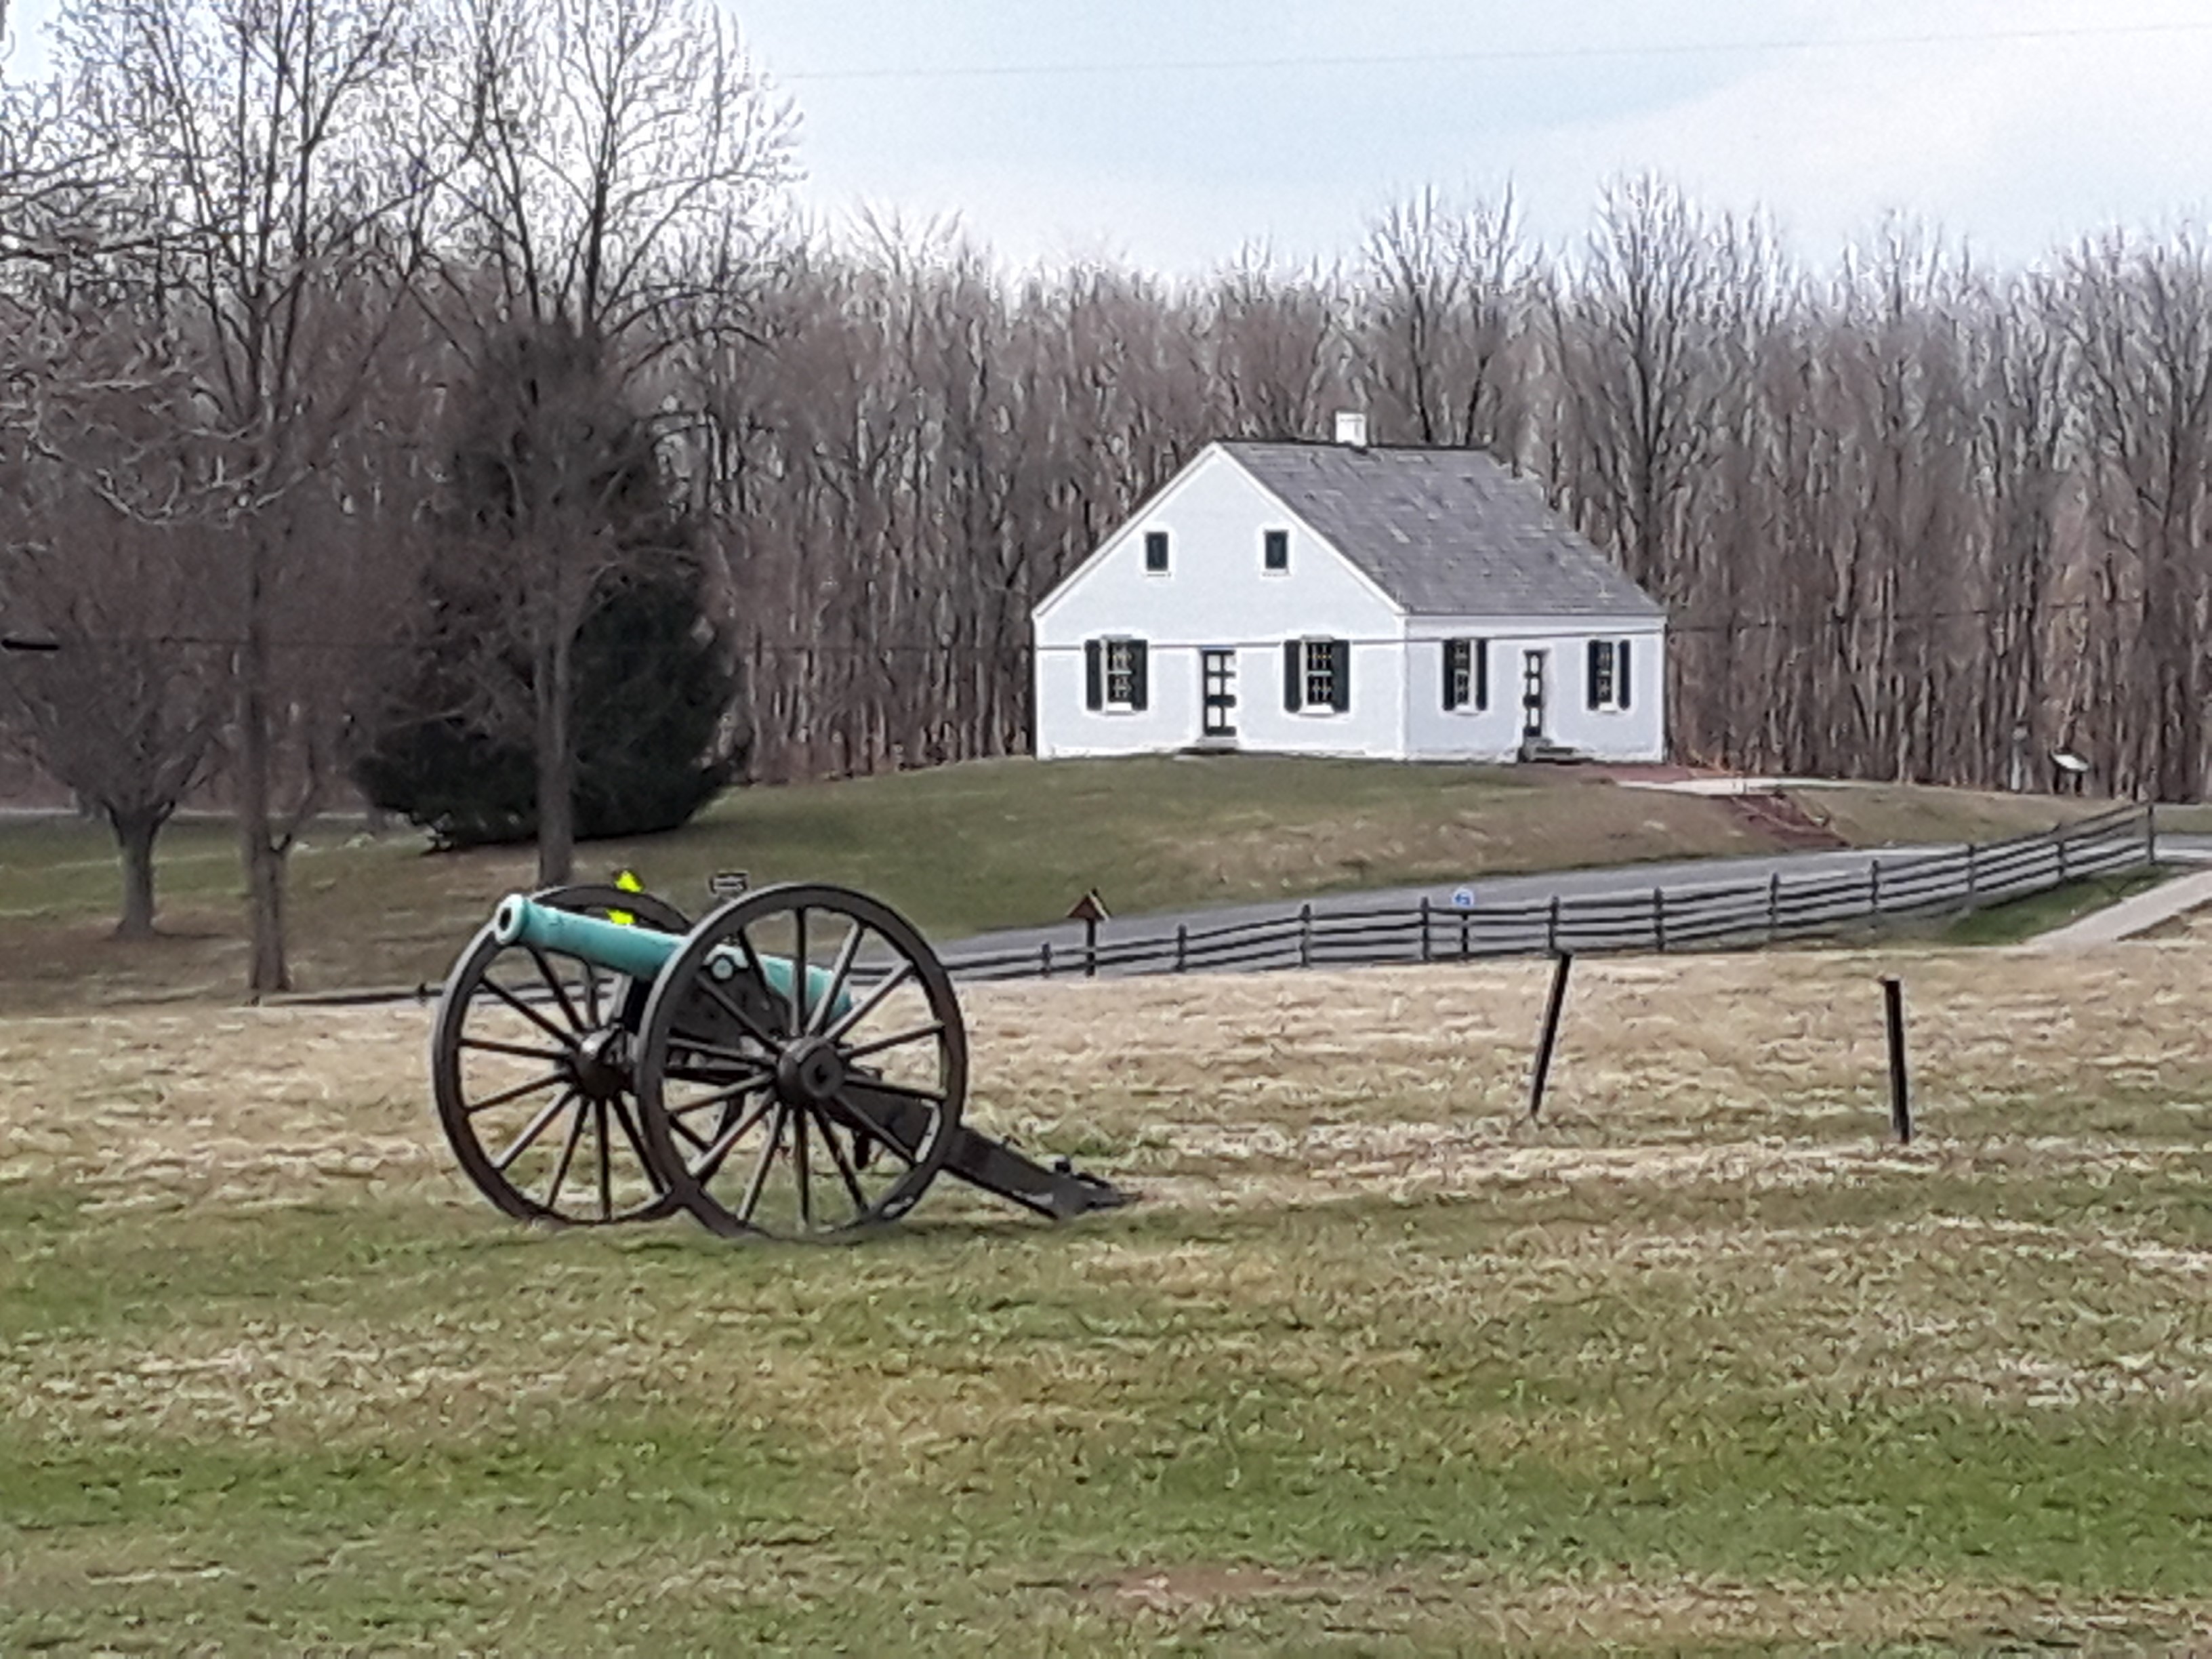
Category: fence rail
[1705,916]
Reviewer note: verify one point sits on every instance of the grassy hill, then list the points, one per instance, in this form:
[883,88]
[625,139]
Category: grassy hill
[959,848]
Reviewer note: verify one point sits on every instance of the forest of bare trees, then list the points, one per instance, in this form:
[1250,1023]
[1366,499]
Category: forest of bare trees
[1913,518]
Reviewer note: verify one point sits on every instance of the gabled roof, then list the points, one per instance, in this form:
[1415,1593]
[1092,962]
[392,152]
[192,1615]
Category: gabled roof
[1444,531]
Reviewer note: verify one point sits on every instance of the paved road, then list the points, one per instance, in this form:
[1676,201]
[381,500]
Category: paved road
[1679,878]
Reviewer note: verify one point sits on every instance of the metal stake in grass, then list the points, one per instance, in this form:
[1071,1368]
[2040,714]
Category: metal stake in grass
[1900,1094]
[1550,1035]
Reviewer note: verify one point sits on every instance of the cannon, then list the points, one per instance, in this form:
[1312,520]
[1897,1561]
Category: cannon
[794,1066]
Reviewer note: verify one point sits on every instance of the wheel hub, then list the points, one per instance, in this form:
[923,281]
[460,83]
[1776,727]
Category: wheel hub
[810,1072]
[601,1064]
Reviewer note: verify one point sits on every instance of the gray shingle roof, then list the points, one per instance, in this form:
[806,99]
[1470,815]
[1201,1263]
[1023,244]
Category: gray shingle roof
[1444,531]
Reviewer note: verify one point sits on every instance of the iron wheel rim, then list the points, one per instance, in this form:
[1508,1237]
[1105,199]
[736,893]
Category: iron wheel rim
[510,1094]
[795,1081]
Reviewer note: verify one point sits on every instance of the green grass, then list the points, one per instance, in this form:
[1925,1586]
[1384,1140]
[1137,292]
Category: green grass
[959,1441]
[960,848]
[2039,913]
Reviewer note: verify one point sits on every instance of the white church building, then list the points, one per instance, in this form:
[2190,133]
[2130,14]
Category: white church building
[1341,599]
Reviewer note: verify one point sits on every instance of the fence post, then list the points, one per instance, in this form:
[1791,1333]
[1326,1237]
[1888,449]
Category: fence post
[1305,936]
[1552,927]
[1044,960]
[1550,1034]
[1773,906]
[1659,918]
[1464,921]
[2150,832]
[1183,943]
[2062,853]
[1873,885]
[1973,875]
[1900,1102]
[1425,928]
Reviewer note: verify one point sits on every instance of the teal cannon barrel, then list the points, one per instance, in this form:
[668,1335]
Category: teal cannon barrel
[639,952]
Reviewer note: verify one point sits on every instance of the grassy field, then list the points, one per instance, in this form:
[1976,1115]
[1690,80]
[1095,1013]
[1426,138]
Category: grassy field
[960,848]
[1697,1363]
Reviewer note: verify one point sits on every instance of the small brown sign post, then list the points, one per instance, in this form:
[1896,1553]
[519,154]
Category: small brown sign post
[1090,910]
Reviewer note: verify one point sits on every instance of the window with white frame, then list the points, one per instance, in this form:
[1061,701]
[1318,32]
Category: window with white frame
[1467,674]
[1156,552]
[1316,676]
[1114,675]
[1121,673]
[1608,674]
[1320,674]
[1275,549]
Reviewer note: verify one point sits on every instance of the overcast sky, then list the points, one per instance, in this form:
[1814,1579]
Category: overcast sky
[1173,133]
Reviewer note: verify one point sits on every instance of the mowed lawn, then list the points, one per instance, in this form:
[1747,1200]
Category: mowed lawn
[960,848]
[1700,1363]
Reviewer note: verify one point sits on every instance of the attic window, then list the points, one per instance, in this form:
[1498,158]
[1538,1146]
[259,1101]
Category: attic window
[1156,551]
[1275,549]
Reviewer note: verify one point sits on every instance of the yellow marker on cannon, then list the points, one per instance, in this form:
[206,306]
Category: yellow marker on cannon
[626,881]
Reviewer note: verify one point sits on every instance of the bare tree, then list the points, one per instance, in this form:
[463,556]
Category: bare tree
[126,697]
[264,132]
[2140,318]
[1276,348]
[1441,305]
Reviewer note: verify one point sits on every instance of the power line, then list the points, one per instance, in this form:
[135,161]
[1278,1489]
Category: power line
[1825,624]
[1498,54]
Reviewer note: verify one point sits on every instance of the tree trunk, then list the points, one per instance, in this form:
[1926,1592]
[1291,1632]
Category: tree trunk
[264,860]
[556,764]
[134,830]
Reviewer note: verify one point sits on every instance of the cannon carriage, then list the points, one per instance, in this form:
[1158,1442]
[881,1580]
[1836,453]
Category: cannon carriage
[794,1065]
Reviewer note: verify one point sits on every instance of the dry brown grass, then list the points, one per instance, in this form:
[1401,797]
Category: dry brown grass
[1768,1067]
[1613,1612]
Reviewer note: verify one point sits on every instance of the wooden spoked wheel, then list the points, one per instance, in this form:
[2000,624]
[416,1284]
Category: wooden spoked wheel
[530,1062]
[802,1066]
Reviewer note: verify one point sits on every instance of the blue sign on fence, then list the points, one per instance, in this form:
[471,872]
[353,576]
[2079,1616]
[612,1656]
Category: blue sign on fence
[1463,899]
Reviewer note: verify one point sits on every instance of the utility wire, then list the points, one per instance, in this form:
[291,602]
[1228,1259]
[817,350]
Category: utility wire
[1500,54]
[1813,627]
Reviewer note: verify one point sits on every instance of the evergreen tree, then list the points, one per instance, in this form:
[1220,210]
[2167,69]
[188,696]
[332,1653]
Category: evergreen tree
[566,653]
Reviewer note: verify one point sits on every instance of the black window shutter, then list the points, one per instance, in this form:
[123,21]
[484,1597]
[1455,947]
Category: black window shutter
[1293,675]
[1451,667]
[1621,674]
[1340,679]
[1590,689]
[1482,674]
[1094,675]
[1136,673]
